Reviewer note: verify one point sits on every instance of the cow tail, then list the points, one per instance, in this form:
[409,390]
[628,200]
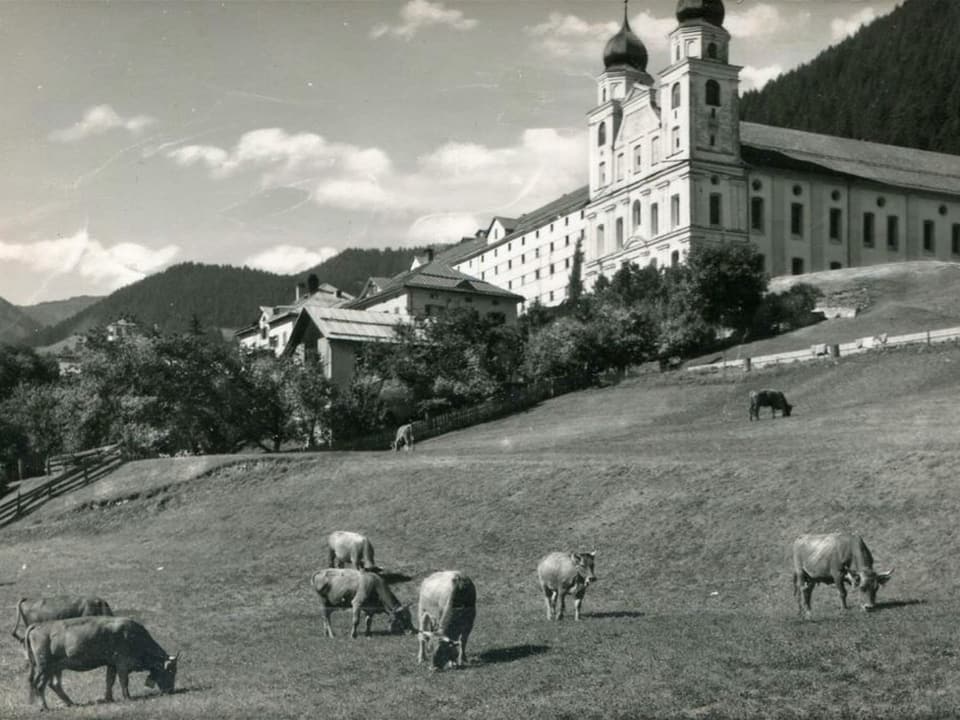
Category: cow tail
[368,553]
[19,616]
[32,660]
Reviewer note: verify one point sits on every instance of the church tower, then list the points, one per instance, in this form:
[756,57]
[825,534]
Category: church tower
[625,65]
[700,89]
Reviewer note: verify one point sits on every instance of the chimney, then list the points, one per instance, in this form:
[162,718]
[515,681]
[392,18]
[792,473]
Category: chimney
[429,255]
[301,291]
[339,293]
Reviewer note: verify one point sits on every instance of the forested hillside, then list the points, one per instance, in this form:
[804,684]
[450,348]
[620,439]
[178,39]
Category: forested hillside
[15,325]
[219,296]
[894,82]
[54,311]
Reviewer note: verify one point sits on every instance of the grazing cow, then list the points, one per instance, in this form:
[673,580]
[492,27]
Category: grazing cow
[87,643]
[404,437]
[773,399]
[447,609]
[365,592]
[350,547]
[835,559]
[57,608]
[559,573]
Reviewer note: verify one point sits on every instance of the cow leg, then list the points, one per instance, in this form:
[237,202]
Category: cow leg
[838,579]
[560,598]
[327,628]
[111,678]
[124,676]
[356,622]
[806,591]
[55,680]
[577,602]
[462,655]
[369,623]
[38,684]
[547,594]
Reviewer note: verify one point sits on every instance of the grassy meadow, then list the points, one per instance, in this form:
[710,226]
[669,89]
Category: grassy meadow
[691,508]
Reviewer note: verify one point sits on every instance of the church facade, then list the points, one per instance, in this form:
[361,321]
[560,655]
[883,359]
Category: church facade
[671,166]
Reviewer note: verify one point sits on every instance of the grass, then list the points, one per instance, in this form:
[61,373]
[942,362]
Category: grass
[692,510]
[902,298]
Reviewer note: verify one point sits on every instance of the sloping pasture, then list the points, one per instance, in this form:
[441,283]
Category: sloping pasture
[691,508]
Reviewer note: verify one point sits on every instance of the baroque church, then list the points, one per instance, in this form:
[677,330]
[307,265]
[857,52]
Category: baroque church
[672,165]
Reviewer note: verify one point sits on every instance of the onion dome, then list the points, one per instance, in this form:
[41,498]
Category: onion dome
[625,50]
[710,10]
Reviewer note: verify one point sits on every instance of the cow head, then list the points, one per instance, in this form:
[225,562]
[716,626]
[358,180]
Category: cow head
[401,620]
[446,652]
[584,562]
[787,407]
[164,676]
[869,582]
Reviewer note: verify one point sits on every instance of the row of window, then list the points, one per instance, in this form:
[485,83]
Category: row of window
[523,241]
[535,275]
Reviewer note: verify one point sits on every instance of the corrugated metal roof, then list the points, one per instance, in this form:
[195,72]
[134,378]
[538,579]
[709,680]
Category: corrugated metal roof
[357,325]
[889,164]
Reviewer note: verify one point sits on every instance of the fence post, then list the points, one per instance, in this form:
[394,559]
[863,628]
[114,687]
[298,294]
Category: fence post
[746,364]
[18,502]
[928,337]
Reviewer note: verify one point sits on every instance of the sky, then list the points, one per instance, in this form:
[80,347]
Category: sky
[137,135]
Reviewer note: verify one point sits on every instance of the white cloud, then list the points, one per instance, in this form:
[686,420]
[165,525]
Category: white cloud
[442,228]
[289,259]
[419,14]
[841,28]
[79,254]
[569,36]
[762,19]
[98,120]
[754,78]
[458,177]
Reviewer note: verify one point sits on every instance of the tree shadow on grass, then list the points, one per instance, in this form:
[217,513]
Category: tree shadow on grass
[894,604]
[614,614]
[510,654]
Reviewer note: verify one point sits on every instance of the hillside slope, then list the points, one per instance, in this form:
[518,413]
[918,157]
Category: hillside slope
[15,325]
[892,82]
[54,311]
[692,510]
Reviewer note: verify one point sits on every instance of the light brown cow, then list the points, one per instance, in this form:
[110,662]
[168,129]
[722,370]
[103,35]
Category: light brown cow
[446,613]
[365,592]
[350,547]
[404,437]
[561,572]
[835,558]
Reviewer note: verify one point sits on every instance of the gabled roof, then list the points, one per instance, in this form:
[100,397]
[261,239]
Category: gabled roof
[888,164]
[343,324]
[435,276]
[462,249]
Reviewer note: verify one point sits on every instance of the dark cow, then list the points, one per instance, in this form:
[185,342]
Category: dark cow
[446,612]
[366,592]
[835,559]
[773,399]
[350,547]
[58,608]
[404,437]
[87,643]
[559,573]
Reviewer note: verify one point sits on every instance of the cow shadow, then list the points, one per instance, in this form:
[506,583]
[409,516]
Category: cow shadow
[512,653]
[614,614]
[894,604]
[138,698]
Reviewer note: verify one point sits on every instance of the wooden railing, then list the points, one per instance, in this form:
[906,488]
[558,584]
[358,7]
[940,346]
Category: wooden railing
[70,472]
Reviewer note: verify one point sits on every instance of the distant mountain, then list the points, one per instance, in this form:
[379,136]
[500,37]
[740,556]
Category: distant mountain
[894,82]
[16,327]
[220,296]
[54,311]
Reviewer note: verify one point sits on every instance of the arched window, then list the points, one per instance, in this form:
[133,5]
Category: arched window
[713,93]
[637,217]
[675,96]
[619,230]
[675,258]
[600,247]
[712,51]
[604,95]
[602,132]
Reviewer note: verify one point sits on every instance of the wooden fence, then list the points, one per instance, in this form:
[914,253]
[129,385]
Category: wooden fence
[831,351]
[70,472]
[517,399]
